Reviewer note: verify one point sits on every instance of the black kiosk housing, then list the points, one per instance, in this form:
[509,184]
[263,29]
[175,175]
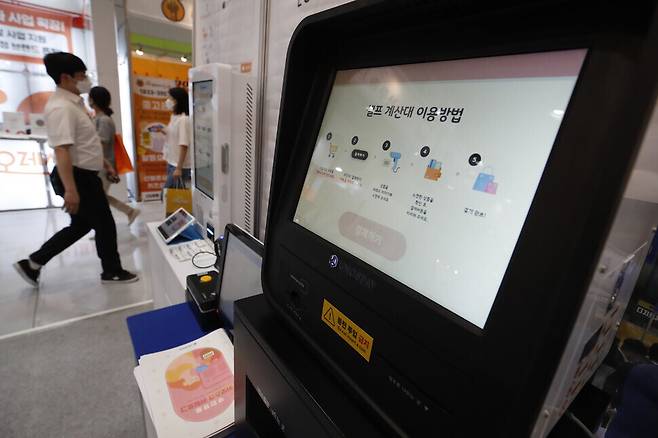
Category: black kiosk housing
[431,372]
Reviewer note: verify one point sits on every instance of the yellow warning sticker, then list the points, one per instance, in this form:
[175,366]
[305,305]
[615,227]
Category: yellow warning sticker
[344,327]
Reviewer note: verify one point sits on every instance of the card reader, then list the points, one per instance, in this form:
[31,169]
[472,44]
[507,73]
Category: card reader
[201,295]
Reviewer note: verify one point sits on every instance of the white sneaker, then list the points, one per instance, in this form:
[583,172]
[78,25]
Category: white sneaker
[133,215]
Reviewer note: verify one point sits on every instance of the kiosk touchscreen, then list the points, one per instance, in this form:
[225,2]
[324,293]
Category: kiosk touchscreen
[211,120]
[418,177]
[436,214]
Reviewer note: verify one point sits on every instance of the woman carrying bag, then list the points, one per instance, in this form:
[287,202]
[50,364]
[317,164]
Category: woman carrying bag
[99,101]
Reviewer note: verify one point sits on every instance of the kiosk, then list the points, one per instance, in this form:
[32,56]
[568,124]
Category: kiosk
[224,150]
[211,128]
[243,152]
[446,179]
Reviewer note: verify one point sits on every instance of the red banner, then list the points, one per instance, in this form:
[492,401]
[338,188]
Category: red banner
[28,34]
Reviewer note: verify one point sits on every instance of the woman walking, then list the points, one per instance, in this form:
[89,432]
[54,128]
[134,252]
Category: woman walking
[99,101]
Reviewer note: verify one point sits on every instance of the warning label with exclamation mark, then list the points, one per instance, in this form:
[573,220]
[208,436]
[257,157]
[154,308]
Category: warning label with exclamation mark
[344,327]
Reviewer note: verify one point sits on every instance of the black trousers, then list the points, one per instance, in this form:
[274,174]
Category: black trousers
[93,214]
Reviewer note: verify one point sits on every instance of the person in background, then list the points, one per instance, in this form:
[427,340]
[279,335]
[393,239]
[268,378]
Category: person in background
[177,145]
[636,413]
[100,100]
[79,158]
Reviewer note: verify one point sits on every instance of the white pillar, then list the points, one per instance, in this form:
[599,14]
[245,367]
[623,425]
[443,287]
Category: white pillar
[104,28]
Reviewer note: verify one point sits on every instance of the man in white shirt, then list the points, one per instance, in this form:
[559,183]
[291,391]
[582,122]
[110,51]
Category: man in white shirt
[79,158]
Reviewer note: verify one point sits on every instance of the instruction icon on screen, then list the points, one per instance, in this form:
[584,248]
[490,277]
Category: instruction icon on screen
[433,170]
[485,182]
[333,148]
[396,156]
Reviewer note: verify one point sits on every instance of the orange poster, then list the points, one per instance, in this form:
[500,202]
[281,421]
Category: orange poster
[28,34]
[152,81]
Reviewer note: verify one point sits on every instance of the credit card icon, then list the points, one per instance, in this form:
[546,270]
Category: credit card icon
[359,154]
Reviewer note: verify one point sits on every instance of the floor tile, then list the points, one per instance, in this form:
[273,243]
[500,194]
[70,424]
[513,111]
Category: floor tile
[70,283]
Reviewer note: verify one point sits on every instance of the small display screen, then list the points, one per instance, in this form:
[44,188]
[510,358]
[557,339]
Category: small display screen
[241,275]
[175,223]
[427,171]
[202,93]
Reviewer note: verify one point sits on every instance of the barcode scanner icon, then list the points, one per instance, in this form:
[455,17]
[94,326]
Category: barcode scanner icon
[396,158]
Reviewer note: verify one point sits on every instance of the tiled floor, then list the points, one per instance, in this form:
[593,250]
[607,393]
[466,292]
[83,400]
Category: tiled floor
[70,283]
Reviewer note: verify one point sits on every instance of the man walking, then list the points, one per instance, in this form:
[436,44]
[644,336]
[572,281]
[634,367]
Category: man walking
[79,158]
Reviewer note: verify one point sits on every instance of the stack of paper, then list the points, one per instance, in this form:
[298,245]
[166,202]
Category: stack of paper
[188,390]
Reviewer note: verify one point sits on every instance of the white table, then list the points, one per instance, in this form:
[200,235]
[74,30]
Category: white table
[168,278]
[168,275]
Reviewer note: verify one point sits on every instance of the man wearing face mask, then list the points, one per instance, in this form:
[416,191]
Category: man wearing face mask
[79,158]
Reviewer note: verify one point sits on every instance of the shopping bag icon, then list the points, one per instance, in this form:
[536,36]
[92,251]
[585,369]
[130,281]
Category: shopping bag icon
[485,182]
[433,170]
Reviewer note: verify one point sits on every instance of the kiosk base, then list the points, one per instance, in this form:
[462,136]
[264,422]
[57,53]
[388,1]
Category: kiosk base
[281,389]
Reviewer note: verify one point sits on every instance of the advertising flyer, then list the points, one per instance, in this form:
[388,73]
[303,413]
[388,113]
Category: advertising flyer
[152,81]
[189,390]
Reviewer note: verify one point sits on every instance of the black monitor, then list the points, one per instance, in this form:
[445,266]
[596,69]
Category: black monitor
[239,270]
[444,178]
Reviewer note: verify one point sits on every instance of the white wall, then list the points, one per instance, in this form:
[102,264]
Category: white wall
[104,36]
[105,43]
[284,16]
[230,34]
